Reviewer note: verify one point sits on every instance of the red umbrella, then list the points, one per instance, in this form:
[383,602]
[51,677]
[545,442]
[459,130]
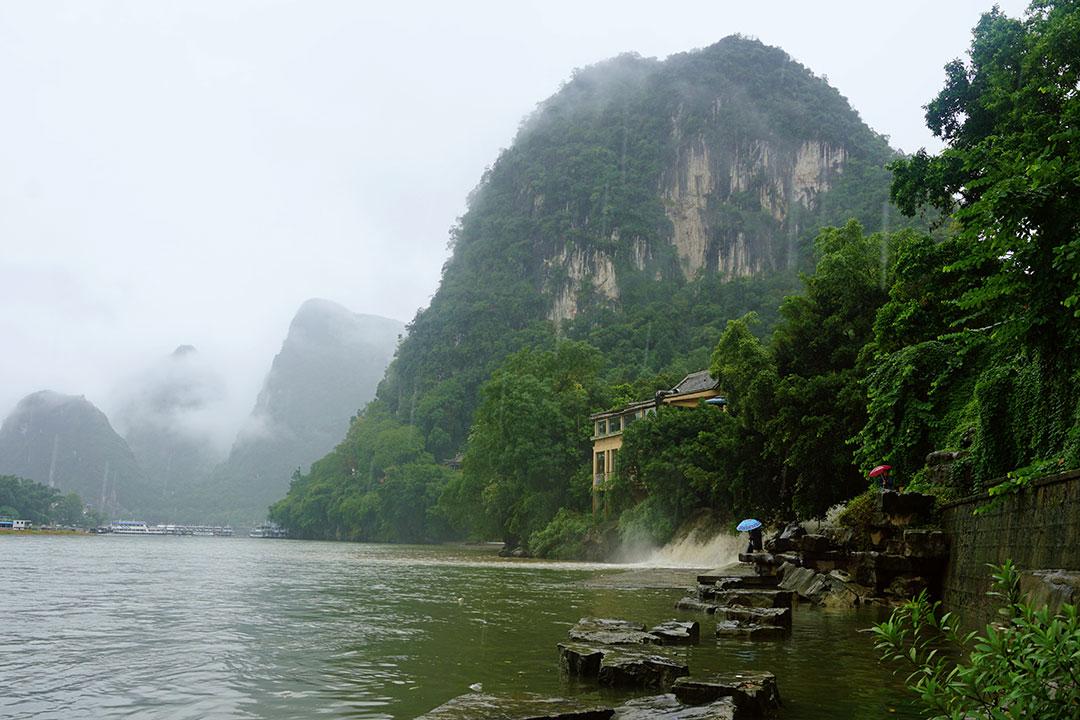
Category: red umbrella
[880,470]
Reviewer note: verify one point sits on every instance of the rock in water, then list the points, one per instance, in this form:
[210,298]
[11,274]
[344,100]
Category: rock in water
[612,632]
[755,693]
[640,670]
[579,660]
[527,706]
[677,632]
[668,707]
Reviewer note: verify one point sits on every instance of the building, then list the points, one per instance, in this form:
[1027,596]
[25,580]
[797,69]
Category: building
[608,426]
[11,524]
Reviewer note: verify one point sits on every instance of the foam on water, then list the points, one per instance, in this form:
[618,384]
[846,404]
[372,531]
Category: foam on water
[696,549]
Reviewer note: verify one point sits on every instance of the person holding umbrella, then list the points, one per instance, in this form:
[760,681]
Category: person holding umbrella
[882,471]
[753,527]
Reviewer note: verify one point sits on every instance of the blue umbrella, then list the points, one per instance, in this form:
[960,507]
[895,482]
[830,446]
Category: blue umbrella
[748,524]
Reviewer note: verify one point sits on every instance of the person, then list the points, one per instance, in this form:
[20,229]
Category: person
[755,540]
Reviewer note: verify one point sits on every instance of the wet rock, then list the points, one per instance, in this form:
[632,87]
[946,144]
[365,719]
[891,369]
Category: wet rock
[669,707]
[706,592]
[640,670]
[925,544]
[1052,588]
[906,587]
[780,617]
[755,693]
[603,631]
[695,605]
[806,583]
[814,545]
[526,706]
[578,660]
[747,582]
[749,631]
[677,632]
[754,598]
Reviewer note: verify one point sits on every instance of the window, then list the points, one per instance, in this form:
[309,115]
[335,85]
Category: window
[601,427]
[615,425]
[599,463]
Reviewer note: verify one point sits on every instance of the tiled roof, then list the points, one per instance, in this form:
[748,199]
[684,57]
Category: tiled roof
[695,382]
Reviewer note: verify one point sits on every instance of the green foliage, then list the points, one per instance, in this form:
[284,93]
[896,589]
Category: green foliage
[1011,170]
[563,538]
[23,499]
[1025,666]
[860,514]
[530,436]
[378,484]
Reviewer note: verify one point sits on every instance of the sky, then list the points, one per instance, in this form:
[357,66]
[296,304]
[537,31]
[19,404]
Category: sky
[190,172]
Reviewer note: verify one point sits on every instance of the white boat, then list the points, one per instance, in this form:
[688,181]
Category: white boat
[129,527]
[269,530]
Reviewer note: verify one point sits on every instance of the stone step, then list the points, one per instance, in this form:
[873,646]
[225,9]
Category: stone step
[668,707]
[749,631]
[736,581]
[695,605]
[780,617]
[604,631]
[754,598]
[621,666]
[677,632]
[755,693]
[526,706]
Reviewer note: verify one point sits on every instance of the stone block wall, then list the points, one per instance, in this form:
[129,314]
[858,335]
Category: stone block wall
[1039,529]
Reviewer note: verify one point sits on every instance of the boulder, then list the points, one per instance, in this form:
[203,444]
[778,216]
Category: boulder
[639,670]
[695,605]
[792,531]
[754,598]
[677,632]
[755,693]
[780,617]
[603,631]
[526,706]
[804,582]
[668,707]
[579,660]
[925,544]
[749,631]
[1052,588]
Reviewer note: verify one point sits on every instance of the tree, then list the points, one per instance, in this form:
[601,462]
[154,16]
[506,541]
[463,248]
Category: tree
[1010,117]
[530,435]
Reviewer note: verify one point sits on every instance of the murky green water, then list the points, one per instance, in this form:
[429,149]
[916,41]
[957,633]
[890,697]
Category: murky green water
[163,627]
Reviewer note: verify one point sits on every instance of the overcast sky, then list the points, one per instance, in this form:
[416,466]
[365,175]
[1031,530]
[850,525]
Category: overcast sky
[190,172]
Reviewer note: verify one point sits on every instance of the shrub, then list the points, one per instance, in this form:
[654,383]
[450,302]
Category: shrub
[1026,666]
[563,538]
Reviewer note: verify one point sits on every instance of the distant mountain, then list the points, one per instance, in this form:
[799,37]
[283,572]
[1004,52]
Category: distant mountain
[65,442]
[328,368]
[170,416]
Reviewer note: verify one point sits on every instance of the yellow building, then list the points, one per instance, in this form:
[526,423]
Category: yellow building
[608,426]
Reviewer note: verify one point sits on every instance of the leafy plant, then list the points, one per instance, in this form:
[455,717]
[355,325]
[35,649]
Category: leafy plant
[1027,665]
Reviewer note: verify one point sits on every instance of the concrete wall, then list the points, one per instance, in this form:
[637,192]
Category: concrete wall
[1039,529]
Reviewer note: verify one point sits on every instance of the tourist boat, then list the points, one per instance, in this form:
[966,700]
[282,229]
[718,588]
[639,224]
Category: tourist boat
[129,527]
[269,530]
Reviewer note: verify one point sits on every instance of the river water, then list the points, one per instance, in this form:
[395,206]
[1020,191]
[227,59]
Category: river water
[168,627]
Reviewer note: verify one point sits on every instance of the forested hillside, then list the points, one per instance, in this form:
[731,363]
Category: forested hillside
[638,210]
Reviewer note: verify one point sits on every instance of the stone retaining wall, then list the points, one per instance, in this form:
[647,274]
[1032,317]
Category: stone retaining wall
[1039,529]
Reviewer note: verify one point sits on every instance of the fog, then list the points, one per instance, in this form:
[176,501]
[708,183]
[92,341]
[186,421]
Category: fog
[189,173]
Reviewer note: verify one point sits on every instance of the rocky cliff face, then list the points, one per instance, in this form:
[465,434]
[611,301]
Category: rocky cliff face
[66,443]
[637,177]
[327,369]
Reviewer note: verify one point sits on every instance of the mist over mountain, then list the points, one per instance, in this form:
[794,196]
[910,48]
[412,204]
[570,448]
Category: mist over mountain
[328,368]
[65,442]
[172,416]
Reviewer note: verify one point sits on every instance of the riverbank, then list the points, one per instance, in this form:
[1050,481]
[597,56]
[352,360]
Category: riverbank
[43,531]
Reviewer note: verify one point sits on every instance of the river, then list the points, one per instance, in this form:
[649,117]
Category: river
[171,627]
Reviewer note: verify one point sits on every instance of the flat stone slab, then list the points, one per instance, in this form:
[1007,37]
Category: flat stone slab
[668,707]
[749,631]
[747,582]
[755,693]
[603,631]
[580,660]
[689,603]
[780,617]
[677,632]
[754,598]
[527,706]
[640,670]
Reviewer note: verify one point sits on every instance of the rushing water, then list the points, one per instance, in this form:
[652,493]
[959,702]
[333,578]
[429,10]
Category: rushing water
[164,627]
